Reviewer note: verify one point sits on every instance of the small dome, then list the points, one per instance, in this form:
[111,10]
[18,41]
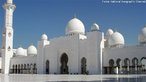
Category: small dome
[94,27]
[116,39]
[75,26]
[44,37]
[32,50]
[142,36]
[109,32]
[20,51]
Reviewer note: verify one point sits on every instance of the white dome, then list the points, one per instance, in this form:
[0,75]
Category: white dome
[116,39]
[109,32]
[94,27]
[32,50]
[75,26]
[44,37]
[20,51]
[142,36]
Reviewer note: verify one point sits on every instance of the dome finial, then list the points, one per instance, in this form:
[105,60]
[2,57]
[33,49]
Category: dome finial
[115,29]
[31,44]
[20,45]
[75,15]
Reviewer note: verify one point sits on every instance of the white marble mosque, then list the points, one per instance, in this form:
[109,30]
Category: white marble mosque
[77,52]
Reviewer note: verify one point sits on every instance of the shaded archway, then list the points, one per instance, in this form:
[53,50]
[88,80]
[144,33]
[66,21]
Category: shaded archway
[34,68]
[21,69]
[28,68]
[126,65]
[119,62]
[64,61]
[47,66]
[134,61]
[16,68]
[110,69]
[83,65]
[143,63]
[126,62]
[111,63]
[31,69]
[25,69]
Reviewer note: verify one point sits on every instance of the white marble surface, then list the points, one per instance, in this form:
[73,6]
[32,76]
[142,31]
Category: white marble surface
[50,78]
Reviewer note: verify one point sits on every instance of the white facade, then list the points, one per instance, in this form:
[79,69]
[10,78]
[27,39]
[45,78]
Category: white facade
[77,52]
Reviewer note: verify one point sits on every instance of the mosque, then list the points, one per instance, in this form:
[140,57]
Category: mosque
[77,52]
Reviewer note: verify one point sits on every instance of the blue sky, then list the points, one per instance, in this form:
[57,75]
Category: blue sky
[32,18]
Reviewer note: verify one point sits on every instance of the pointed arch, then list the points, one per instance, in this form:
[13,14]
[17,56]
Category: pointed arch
[83,65]
[47,66]
[25,69]
[21,69]
[119,62]
[126,62]
[111,63]
[16,68]
[64,66]
[143,63]
[135,61]
[34,68]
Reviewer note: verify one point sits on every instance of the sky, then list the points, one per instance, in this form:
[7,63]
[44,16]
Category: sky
[32,18]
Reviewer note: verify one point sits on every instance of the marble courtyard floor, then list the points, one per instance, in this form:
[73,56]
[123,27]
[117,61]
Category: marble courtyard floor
[71,78]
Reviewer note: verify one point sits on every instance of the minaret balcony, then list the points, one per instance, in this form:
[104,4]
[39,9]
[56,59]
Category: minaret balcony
[9,6]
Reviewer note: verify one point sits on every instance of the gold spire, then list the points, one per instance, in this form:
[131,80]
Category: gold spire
[74,15]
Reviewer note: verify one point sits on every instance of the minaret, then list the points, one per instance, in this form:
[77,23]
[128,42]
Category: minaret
[7,40]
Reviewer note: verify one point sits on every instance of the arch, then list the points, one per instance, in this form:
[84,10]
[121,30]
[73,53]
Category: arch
[142,59]
[34,68]
[47,66]
[126,62]
[28,68]
[119,62]
[126,65]
[143,63]
[16,68]
[31,69]
[135,61]
[83,65]
[111,62]
[111,66]
[64,66]
[21,68]
[25,69]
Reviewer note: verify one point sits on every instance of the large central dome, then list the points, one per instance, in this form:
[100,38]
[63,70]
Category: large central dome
[75,26]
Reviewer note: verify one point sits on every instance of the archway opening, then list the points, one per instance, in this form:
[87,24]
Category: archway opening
[83,65]
[143,64]
[47,67]
[126,65]
[64,66]
[111,67]
[127,62]
[135,63]
[111,63]
[119,62]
